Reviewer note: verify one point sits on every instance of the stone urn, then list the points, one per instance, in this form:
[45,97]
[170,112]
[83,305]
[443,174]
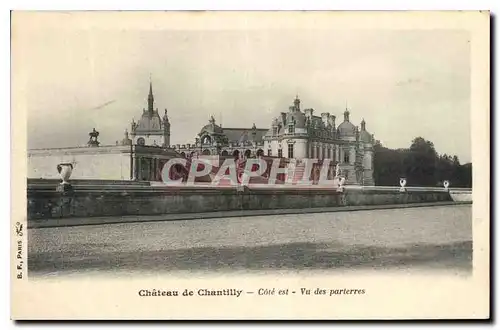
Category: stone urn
[65,170]
[341,182]
[446,184]
[402,183]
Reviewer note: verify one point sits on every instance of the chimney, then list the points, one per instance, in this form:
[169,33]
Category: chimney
[283,118]
[324,118]
[331,119]
[309,112]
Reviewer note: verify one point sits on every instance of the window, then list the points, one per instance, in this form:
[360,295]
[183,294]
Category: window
[269,152]
[346,156]
[290,150]
[280,153]
[346,174]
[317,152]
[141,141]
[291,129]
[206,140]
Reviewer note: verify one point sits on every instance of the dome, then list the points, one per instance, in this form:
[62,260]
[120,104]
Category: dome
[298,118]
[211,129]
[364,136]
[347,129]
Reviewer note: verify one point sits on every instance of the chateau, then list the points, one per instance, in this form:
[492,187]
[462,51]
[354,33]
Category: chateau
[295,134]
[300,134]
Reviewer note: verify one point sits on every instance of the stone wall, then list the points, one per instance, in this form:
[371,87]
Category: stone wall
[112,163]
[116,198]
[103,162]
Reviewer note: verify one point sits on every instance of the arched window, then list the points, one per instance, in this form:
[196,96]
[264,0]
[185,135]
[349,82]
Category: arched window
[206,140]
[206,152]
[225,153]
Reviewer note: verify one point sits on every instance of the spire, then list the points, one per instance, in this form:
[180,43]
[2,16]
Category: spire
[151,98]
[363,125]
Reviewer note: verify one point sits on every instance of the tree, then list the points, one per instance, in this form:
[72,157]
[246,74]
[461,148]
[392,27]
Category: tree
[420,165]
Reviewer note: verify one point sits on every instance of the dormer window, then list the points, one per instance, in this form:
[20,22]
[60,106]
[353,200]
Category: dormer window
[206,140]
[291,129]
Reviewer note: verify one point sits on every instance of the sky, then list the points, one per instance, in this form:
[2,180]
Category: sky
[404,83]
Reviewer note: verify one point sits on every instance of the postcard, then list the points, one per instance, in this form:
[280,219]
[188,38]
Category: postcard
[250,165]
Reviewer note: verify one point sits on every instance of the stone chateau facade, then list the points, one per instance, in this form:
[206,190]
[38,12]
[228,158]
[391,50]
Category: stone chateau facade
[298,134]
[295,134]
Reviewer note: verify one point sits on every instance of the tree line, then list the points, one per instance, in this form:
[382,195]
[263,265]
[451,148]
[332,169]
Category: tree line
[420,165]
